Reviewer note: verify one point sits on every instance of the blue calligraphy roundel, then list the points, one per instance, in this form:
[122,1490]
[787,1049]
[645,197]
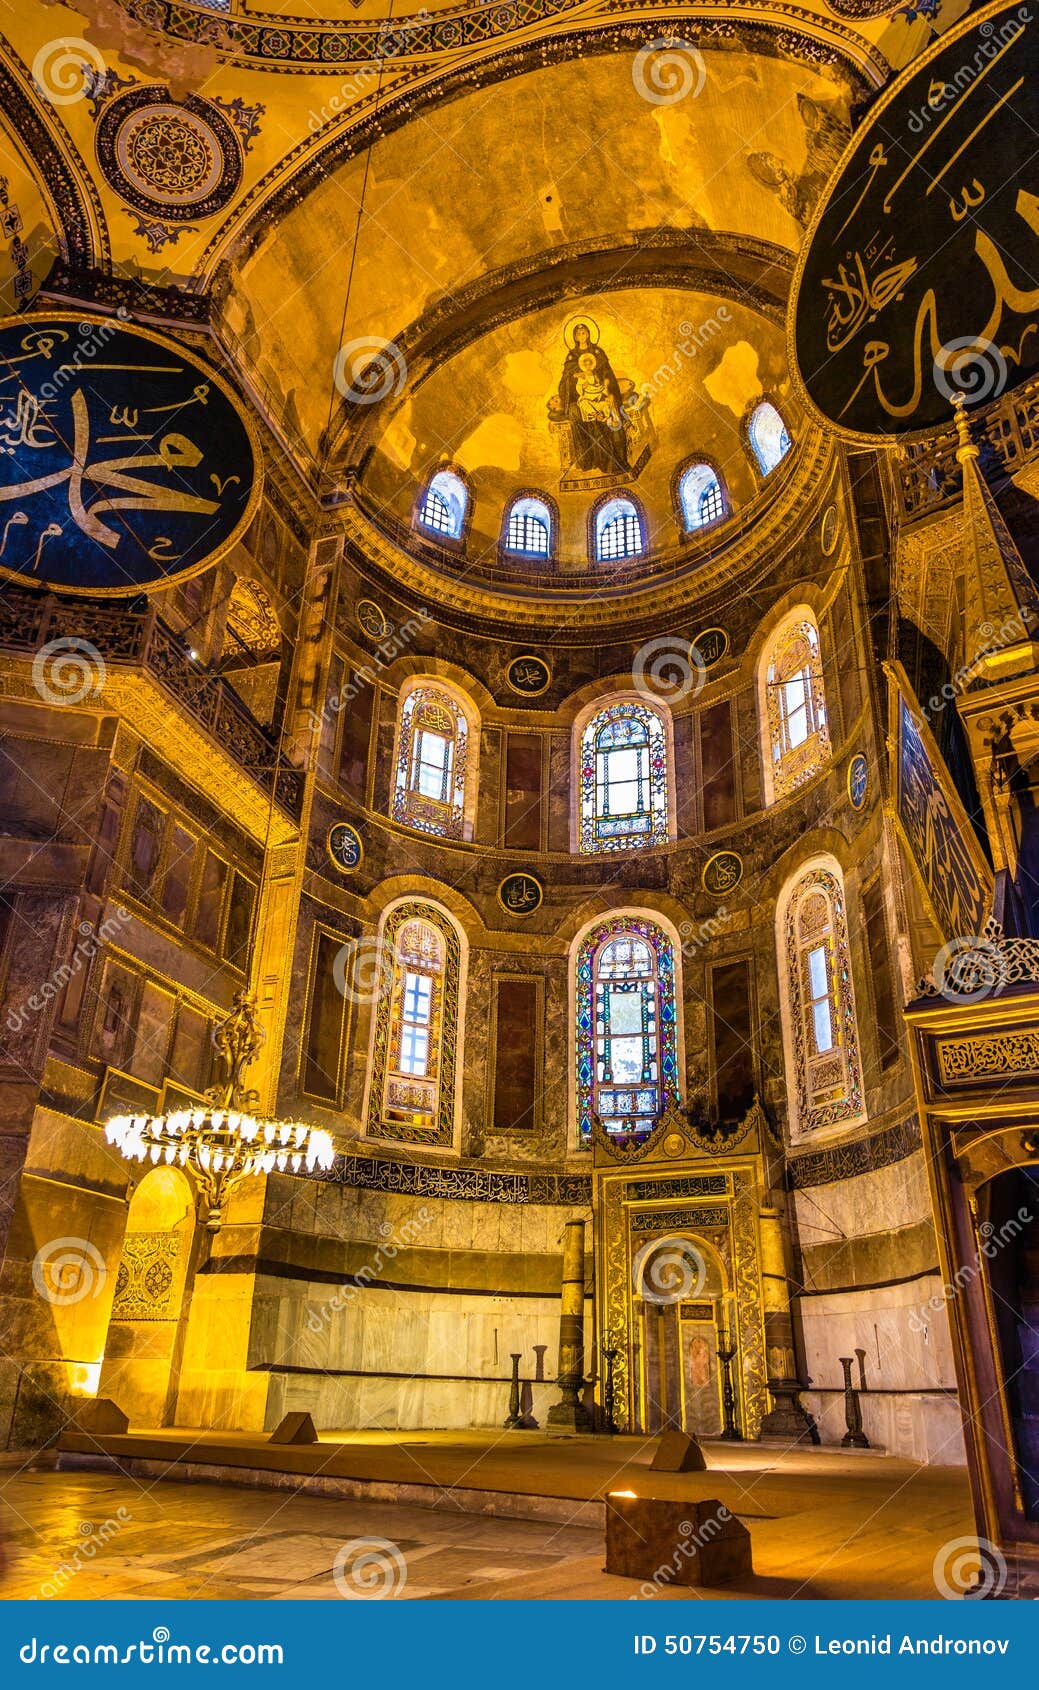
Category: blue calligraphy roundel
[125,462]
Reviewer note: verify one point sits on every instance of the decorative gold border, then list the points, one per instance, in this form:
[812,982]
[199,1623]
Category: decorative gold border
[336,864]
[520,915]
[694,645]
[852,760]
[30,321]
[972,22]
[528,657]
[713,859]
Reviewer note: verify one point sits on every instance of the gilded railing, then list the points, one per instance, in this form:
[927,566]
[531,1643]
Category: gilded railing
[927,478]
[139,639]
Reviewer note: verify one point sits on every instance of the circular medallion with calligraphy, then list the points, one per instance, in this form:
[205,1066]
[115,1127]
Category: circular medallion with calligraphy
[708,648]
[529,675]
[828,530]
[371,620]
[345,847]
[858,781]
[178,158]
[520,894]
[125,461]
[722,873]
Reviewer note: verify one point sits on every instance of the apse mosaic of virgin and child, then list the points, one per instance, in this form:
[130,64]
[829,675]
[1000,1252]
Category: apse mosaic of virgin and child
[600,418]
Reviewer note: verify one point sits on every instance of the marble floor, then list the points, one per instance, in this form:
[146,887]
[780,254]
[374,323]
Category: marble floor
[823,1523]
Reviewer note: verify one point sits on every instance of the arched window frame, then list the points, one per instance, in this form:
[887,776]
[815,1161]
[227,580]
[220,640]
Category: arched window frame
[764,410]
[598,518]
[454,489]
[548,513]
[680,482]
[412,1107]
[824,1068]
[589,836]
[449,814]
[795,722]
[588,1087]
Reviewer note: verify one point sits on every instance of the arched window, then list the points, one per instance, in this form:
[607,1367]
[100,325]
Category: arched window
[701,497]
[444,505]
[794,706]
[823,1049]
[618,531]
[414,1055]
[627,1057]
[528,529]
[623,779]
[432,762]
[768,436]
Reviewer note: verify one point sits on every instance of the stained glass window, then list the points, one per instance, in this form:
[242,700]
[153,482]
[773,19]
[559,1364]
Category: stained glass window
[415,1055]
[700,496]
[623,779]
[618,531]
[529,528]
[826,1080]
[432,754]
[626,1047]
[444,504]
[768,436]
[795,706]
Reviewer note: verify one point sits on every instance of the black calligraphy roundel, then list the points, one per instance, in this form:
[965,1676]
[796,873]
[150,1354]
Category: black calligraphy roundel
[125,462]
[919,279]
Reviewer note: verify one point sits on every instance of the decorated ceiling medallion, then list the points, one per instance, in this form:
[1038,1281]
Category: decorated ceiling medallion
[828,530]
[722,873]
[520,894]
[345,847]
[858,781]
[180,158]
[125,462]
[708,648]
[529,675]
[371,620]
